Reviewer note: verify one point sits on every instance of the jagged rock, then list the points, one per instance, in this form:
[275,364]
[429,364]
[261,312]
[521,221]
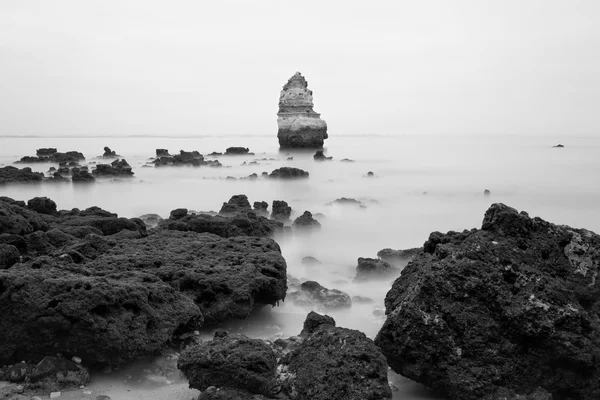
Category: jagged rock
[56,157]
[398,258]
[82,176]
[116,168]
[10,174]
[42,205]
[14,240]
[237,203]
[559,146]
[311,293]
[514,304]
[310,261]
[45,152]
[237,151]
[162,153]
[193,158]
[231,361]
[18,220]
[306,221]
[333,363]
[299,126]
[319,156]
[261,207]
[372,269]
[288,173]
[109,153]
[281,211]
[9,255]
[53,374]
[108,223]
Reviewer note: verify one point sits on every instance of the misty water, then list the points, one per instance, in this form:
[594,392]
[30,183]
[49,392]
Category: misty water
[421,184]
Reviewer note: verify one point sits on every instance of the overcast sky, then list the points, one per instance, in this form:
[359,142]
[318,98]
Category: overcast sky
[70,67]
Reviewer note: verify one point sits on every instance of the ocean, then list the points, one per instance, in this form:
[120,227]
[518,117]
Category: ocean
[421,184]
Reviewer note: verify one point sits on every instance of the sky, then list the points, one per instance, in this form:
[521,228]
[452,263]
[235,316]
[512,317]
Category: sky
[185,68]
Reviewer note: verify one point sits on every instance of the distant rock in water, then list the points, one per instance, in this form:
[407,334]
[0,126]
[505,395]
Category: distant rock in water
[116,168]
[82,176]
[108,153]
[10,174]
[487,193]
[312,294]
[306,220]
[191,158]
[369,269]
[370,174]
[237,203]
[319,156]
[51,155]
[45,152]
[237,151]
[288,173]
[261,207]
[476,309]
[346,160]
[281,211]
[299,125]
[162,153]
[559,146]
[310,261]
[344,201]
[398,257]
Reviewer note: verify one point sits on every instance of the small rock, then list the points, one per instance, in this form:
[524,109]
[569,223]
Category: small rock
[76,360]
[54,395]
[487,193]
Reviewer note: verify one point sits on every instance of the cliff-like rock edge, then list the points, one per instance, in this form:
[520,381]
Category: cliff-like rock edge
[299,126]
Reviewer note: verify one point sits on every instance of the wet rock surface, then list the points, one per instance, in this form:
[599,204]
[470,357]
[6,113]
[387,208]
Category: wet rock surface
[510,307]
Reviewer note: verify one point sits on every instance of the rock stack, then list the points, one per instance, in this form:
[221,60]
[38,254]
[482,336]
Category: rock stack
[299,125]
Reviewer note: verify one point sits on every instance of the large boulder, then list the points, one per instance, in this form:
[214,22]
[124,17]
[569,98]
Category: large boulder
[42,205]
[108,223]
[508,308]
[238,202]
[115,168]
[281,211]
[232,362]
[237,151]
[299,125]
[18,220]
[306,221]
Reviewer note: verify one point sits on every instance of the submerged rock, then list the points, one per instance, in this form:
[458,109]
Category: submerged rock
[319,156]
[559,146]
[299,126]
[237,151]
[373,269]
[512,306]
[306,221]
[310,261]
[288,173]
[49,155]
[311,294]
[108,153]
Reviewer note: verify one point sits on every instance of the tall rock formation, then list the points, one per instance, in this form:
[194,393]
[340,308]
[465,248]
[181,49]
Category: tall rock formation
[299,125]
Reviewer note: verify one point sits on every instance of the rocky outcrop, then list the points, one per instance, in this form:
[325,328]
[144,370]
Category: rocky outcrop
[50,155]
[281,211]
[288,173]
[261,207]
[369,269]
[319,156]
[192,158]
[507,308]
[312,294]
[116,168]
[299,126]
[82,176]
[398,258]
[10,174]
[237,203]
[237,151]
[323,363]
[306,221]
[108,153]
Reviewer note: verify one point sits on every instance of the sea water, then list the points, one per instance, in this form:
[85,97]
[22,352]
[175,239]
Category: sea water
[420,184]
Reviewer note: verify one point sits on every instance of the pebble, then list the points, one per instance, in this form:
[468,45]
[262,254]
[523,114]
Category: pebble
[54,395]
[76,360]
[87,392]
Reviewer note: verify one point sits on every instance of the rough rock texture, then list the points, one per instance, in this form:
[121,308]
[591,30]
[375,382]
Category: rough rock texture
[82,176]
[373,269]
[299,126]
[288,173]
[116,168]
[10,174]
[45,152]
[237,151]
[42,205]
[319,156]
[398,258]
[312,294]
[230,361]
[55,157]
[9,255]
[261,207]
[152,220]
[162,153]
[193,158]
[334,363]
[513,306]
[108,153]
[51,374]
[238,202]
[306,221]
[281,211]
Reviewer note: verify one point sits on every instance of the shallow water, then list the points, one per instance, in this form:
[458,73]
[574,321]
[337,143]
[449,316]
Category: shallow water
[421,184]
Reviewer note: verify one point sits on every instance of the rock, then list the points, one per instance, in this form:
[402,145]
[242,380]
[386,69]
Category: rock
[109,153]
[237,151]
[281,211]
[42,205]
[288,173]
[82,176]
[103,397]
[361,300]
[116,168]
[178,213]
[506,394]
[343,201]
[478,308]
[9,255]
[373,269]
[152,220]
[346,160]
[299,126]
[311,293]
[56,157]
[14,240]
[10,174]
[212,393]
[289,158]
[334,363]
[38,244]
[45,152]
[313,321]
[107,223]
[319,156]
[559,146]
[53,374]
[487,193]
[232,361]
[398,258]
[18,220]
[162,153]
[193,158]
[306,221]
[237,203]
[310,261]
[261,207]
[370,174]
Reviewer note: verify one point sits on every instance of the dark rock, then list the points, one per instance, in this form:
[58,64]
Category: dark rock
[162,153]
[9,255]
[237,203]
[334,363]
[42,205]
[319,156]
[372,269]
[82,176]
[487,193]
[18,220]
[108,224]
[261,207]
[237,151]
[289,158]
[10,174]
[306,221]
[233,361]
[398,258]
[288,173]
[313,321]
[281,211]
[193,158]
[58,238]
[346,160]
[361,300]
[507,394]
[310,261]
[178,213]
[559,146]
[38,244]
[14,240]
[78,232]
[109,153]
[370,173]
[343,201]
[45,152]
[116,168]
[513,305]
[311,293]
[55,157]
[53,374]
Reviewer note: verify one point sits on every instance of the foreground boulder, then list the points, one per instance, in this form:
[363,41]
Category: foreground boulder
[299,126]
[508,308]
